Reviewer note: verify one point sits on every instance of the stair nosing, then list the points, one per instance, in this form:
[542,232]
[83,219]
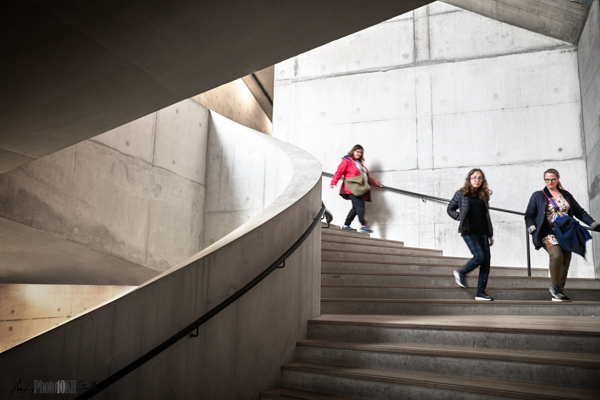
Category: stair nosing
[470,302]
[419,264]
[377,286]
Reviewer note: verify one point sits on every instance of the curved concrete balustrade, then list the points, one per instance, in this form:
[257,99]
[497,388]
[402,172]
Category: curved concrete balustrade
[259,331]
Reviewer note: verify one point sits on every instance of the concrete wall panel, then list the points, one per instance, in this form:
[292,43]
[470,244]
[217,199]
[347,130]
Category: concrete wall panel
[463,35]
[514,81]
[141,200]
[181,132]
[361,51]
[135,138]
[508,136]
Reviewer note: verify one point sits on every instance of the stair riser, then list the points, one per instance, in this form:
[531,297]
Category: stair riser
[346,247]
[447,337]
[449,293]
[405,259]
[482,368]
[416,269]
[424,280]
[373,390]
[337,232]
[476,308]
[359,240]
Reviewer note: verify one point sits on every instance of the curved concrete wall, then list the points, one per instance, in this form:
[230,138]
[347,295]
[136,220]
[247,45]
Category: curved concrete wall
[239,352]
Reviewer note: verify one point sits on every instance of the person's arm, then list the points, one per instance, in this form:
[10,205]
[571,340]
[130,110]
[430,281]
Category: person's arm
[580,213]
[531,214]
[373,181]
[453,206]
[341,171]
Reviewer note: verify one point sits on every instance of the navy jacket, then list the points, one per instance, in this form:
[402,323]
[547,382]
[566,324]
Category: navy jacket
[536,213]
[461,203]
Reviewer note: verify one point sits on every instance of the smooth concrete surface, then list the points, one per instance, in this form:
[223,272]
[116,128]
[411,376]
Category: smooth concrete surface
[238,353]
[235,100]
[261,84]
[73,70]
[430,95]
[589,78]
[135,193]
[559,19]
[243,177]
[29,310]
[28,255]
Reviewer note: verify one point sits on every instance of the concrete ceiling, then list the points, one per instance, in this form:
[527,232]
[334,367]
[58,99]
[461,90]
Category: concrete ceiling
[559,19]
[72,69]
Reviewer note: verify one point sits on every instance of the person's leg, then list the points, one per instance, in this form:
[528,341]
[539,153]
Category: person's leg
[360,209]
[484,267]
[564,269]
[556,262]
[352,213]
[474,243]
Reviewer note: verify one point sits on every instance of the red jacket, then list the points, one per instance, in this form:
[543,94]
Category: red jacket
[348,169]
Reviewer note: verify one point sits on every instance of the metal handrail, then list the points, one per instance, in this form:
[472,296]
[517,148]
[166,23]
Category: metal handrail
[189,330]
[442,200]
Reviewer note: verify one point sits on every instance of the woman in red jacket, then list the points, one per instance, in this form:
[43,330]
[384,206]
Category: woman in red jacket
[352,165]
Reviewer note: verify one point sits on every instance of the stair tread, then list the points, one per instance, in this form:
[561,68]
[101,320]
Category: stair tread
[423,264]
[375,245]
[291,394]
[458,383]
[334,272]
[456,301]
[458,288]
[383,253]
[529,356]
[366,239]
[498,323]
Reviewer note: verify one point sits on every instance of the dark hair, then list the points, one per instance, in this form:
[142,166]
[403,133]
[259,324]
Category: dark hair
[555,172]
[357,147]
[483,192]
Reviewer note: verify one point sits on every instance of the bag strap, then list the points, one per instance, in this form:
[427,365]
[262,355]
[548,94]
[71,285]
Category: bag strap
[552,200]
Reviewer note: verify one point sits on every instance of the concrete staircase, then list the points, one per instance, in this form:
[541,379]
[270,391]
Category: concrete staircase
[395,325]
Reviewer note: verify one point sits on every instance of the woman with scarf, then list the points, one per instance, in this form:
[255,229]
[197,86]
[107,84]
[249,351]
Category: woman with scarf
[545,206]
[352,166]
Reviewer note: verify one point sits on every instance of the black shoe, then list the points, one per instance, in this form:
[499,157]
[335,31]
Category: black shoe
[483,296]
[460,279]
[557,294]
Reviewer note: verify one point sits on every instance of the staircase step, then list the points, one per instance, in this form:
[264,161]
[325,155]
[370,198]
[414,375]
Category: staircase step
[337,235]
[292,394]
[350,251]
[426,268]
[343,245]
[458,307]
[571,369]
[413,257]
[408,279]
[337,230]
[557,333]
[388,384]
[445,292]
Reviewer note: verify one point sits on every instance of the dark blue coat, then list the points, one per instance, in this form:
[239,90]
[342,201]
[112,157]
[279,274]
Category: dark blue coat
[460,202]
[536,213]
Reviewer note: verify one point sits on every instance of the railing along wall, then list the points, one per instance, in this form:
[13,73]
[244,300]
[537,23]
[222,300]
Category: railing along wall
[443,200]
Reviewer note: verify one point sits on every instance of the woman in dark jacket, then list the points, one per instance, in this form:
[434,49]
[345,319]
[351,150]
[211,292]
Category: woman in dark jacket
[543,209]
[352,165]
[475,227]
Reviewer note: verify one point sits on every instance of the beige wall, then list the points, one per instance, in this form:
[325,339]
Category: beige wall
[235,101]
[28,310]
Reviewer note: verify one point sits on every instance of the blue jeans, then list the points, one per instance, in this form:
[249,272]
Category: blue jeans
[480,248]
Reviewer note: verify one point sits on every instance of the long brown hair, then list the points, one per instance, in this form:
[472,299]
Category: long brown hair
[483,192]
[555,172]
[357,147]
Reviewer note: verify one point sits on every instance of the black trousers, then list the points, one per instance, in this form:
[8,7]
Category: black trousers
[358,208]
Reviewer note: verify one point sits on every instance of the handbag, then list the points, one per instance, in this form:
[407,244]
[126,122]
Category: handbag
[357,185]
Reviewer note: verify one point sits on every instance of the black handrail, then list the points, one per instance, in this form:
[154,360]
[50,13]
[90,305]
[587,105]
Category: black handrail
[442,200]
[196,324]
